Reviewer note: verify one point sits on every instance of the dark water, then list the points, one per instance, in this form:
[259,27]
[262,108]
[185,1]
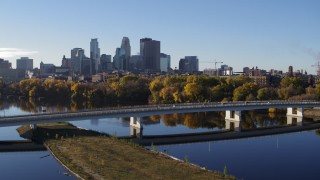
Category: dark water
[169,124]
[30,165]
[286,156]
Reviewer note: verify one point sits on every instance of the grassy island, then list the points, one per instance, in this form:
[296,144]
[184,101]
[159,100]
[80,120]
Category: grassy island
[109,158]
[93,155]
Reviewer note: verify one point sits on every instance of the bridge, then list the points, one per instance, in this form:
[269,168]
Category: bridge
[232,119]
[232,109]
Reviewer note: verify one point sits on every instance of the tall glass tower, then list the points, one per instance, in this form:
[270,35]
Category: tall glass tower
[125,44]
[95,53]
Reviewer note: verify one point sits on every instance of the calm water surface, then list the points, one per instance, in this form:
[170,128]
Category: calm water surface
[31,165]
[286,156]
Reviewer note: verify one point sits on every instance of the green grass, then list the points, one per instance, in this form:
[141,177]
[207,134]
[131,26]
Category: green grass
[109,158]
[93,155]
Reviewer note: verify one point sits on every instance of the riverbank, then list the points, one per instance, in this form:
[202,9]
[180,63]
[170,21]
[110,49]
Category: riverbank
[110,158]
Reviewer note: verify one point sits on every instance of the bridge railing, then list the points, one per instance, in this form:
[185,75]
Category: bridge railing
[157,107]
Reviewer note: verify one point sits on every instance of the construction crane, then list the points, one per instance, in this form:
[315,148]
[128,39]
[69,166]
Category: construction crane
[317,65]
[215,65]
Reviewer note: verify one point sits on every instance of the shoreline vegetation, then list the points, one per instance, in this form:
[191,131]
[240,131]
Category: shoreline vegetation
[161,89]
[93,155]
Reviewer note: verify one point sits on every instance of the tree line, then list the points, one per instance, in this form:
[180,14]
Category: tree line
[178,89]
[127,88]
[163,89]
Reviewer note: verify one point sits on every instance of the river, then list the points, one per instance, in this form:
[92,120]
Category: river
[285,156]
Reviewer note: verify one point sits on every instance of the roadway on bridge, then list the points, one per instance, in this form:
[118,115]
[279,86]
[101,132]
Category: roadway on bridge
[149,110]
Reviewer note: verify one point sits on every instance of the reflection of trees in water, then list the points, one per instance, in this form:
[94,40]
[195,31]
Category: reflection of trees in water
[28,105]
[155,118]
[34,106]
[259,118]
[195,120]
[171,119]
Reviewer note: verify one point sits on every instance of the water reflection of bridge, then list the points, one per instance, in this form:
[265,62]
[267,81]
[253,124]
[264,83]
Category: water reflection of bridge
[232,119]
[218,135]
[232,110]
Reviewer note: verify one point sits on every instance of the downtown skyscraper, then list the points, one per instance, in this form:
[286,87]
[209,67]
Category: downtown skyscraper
[150,52]
[125,45]
[95,53]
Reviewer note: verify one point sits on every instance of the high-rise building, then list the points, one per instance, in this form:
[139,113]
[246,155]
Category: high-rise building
[87,66]
[95,53]
[164,62]
[150,52]
[5,64]
[125,44]
[25,64]
[290,71]
[119,59]
[77,55]
[135,63]
[105,63]
[8,74]
[46,69]
[189,64]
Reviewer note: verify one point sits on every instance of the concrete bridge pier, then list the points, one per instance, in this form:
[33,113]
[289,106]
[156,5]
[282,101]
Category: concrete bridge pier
[295,112]
[294,120]
[232,125]
[136,127]
[233,119]
[294,116]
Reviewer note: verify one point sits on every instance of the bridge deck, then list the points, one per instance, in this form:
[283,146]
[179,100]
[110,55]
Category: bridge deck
[148,110]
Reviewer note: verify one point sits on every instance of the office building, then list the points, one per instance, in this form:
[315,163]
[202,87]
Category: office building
[5,64]
[165,62]
[135,63]
[95,53]
[190,64]
[24,63]
[77,55]
[125,44]
[119,59]
[105,63]
[290,71]
[47,70]
[87,66]
[150,52]
[8,74]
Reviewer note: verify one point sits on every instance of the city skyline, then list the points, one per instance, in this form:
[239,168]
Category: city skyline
[267,34]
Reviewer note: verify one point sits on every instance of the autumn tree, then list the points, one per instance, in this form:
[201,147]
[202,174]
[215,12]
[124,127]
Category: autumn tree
[267,93]
[245,92]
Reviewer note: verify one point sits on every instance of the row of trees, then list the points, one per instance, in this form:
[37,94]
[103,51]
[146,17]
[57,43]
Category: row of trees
[177,89]
[125,88]
[162,89]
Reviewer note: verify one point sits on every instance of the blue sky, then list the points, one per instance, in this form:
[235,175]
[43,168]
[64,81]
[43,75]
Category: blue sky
[264,33]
